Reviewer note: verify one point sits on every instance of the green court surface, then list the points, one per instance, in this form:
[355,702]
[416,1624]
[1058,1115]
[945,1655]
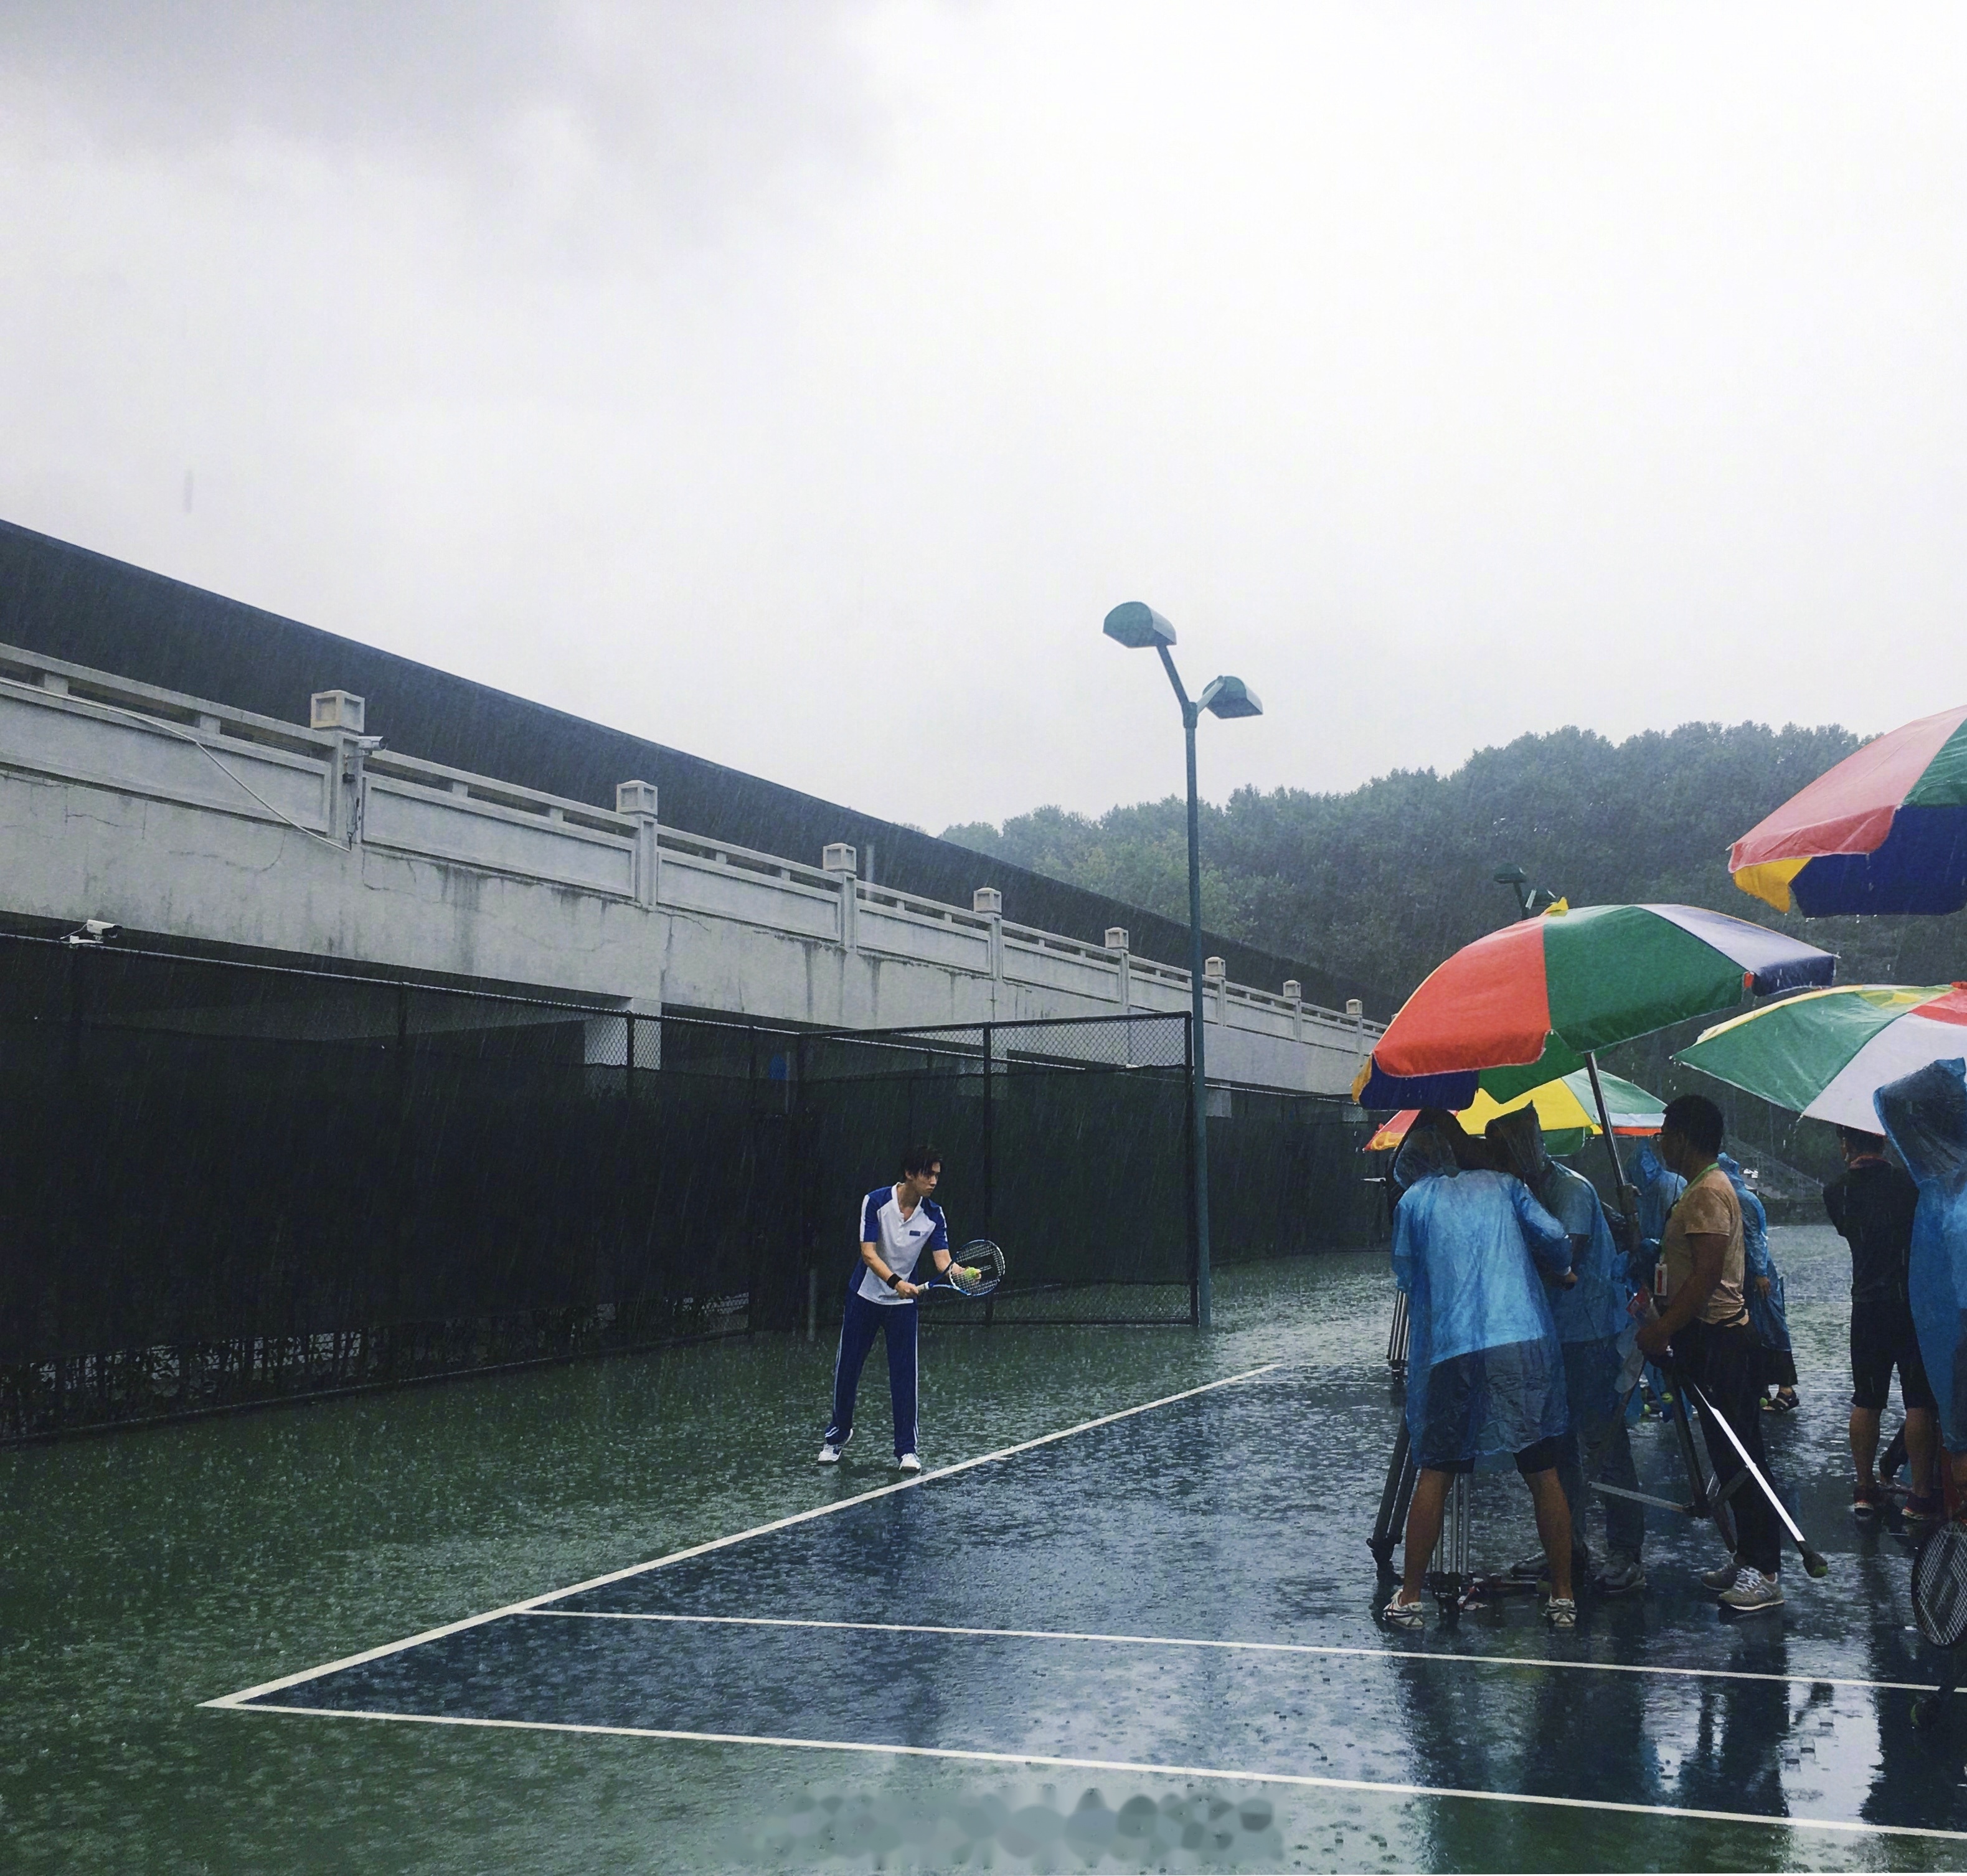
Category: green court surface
[1148,1644]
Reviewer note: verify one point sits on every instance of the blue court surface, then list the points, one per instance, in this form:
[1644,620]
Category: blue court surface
[1182,1589]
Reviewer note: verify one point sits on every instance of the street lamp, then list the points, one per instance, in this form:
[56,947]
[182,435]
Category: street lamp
[1138,627]
[1530,900]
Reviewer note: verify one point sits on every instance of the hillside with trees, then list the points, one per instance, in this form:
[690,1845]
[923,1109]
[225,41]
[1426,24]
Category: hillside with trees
[1383,883]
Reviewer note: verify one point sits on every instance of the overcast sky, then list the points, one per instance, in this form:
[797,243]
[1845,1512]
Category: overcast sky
[800,383]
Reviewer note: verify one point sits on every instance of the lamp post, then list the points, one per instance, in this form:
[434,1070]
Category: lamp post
[1138,627]
[1530,900]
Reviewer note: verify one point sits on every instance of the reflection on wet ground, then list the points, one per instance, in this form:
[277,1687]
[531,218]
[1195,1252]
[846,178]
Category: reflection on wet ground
[1187,1588]
[141,1575]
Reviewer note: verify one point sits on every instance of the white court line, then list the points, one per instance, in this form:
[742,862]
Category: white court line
[1302,1780]
[1254,1648]
[533,1603]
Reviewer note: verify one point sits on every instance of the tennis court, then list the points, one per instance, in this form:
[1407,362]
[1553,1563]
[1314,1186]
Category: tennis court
[613,1617]
[1168,1591]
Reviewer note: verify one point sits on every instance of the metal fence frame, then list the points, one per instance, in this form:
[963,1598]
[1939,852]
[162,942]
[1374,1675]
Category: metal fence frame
[676,1072]
[989,1034]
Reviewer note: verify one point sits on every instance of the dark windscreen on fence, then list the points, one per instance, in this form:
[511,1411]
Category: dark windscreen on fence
[1065,1141]
[223,1182]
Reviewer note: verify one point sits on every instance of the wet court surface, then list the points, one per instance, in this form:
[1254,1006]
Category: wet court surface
[1148,1641]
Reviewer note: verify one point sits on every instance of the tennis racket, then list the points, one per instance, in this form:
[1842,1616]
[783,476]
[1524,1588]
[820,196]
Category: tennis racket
[1939,1586]
[975,1270]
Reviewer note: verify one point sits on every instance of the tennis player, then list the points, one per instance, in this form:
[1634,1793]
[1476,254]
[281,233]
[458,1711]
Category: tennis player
[899,1223]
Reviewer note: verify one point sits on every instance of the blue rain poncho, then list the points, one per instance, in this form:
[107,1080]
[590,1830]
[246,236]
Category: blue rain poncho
[1925,1116]
[1594,1310]
[1659,1192]
[1485,1372]
[1768,1316]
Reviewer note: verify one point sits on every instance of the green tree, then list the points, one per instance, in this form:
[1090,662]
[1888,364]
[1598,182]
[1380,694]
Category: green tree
[1383,881]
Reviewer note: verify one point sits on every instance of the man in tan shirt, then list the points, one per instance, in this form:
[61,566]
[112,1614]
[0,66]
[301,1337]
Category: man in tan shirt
[1705,1320]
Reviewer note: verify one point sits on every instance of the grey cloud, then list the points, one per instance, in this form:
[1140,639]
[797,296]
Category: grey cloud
[690,99]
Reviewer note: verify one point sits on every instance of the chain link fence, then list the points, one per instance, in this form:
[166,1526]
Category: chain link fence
[222,1184]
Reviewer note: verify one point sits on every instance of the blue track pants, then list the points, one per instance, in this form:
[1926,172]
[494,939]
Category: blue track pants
[863,1322]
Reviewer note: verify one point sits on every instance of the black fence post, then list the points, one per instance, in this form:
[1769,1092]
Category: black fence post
[1188,1161]
[799,1211]
[989,1152]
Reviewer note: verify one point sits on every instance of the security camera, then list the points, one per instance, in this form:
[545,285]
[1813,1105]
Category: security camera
[95,931]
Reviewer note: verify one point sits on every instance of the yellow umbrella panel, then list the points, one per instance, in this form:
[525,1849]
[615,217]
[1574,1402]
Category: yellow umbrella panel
[1563,1109]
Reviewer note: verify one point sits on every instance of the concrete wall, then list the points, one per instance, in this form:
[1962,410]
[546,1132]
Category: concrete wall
[173,815]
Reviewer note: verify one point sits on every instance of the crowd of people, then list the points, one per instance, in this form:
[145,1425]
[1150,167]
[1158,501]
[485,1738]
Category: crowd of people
[1535,1337]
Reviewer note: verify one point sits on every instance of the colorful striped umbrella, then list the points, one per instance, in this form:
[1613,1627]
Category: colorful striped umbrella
[1884,831]
[1823,1055]
[1532,1002]
[1566,1107]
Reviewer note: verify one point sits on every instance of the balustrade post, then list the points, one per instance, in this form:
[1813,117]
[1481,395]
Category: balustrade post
[989,901]
[839,858]
[1116,941]
[638,800]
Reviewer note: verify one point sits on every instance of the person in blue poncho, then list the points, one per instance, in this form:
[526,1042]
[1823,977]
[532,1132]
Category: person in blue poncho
[1593,1320]
[1659,1190]
[1925,1116]
[1768,1314]
[1485,1375]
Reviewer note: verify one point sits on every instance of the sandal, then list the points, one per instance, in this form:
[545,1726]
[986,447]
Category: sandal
[1783,1400]
[1401,1615]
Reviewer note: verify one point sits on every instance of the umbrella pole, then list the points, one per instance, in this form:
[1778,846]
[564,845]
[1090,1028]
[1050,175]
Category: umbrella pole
[1629,1210]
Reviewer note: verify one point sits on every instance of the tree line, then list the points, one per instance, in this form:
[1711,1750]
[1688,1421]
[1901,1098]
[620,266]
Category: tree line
[1382,882]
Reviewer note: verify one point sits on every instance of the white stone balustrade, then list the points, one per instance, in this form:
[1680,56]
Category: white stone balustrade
[175,816]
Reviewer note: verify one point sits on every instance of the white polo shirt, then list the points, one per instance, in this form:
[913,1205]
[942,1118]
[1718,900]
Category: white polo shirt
[901,1240]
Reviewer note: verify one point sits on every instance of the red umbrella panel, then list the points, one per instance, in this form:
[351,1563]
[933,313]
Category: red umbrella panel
[1530,1003]
[1884,831]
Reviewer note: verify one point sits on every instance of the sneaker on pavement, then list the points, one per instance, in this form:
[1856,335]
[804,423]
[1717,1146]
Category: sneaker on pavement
[1868,1503]
[1723,1576]
[908,1463]
[1622,1576]
[1560,1611]
[1401,1615]
[1752,1591]
[1928,1510]
[829,1454]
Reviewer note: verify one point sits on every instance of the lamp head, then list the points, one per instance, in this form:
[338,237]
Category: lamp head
[1230,696]
[1137,626]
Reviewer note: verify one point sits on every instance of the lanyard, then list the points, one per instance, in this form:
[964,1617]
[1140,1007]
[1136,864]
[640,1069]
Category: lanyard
[1713,1166]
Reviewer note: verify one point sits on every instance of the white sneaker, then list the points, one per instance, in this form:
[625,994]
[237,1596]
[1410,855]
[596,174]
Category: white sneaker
[1752,1591]
[908,1463]
[829,1455]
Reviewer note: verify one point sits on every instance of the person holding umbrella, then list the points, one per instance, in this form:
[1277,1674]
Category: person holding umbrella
[1705,1325]
[1769,1311]
[1485,1375]
[1925,1114]
[1592,1315]
[1873,1203]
